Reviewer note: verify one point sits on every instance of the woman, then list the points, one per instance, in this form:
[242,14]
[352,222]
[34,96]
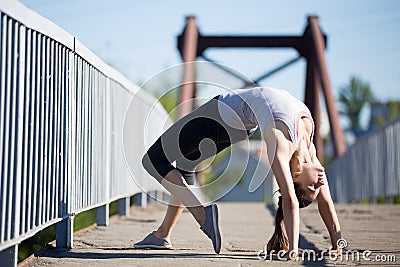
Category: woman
[287,128]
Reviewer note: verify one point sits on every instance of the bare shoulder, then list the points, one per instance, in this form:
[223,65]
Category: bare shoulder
[305,124]
[278,140]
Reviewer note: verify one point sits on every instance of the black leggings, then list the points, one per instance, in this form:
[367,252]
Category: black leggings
[192,139]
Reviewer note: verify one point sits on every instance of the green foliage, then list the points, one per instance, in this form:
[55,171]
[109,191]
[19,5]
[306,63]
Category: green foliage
[35,243]
[210,175]
[394,110]
[256,135]
[166,94]
[381,200]
[353,98]
[394,113]
[169,101]
[365,201]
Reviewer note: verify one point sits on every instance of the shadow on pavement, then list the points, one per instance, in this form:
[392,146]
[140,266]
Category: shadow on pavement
[138,254]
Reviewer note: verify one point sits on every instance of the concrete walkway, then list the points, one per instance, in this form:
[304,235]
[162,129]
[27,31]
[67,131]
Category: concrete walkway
[245,229]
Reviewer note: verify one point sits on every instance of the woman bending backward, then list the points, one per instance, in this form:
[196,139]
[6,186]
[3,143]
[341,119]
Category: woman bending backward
[287,128]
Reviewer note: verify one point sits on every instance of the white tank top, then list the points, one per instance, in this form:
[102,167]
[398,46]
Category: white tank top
[249,108]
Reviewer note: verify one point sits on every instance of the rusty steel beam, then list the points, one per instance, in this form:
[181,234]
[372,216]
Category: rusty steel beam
[312,100]
[318,58]
[250,41]
[232,41]
[189,54]
[205,42]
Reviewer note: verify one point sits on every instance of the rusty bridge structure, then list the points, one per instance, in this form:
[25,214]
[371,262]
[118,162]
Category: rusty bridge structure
[310,45]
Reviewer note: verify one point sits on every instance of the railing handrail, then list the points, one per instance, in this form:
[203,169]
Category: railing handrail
[41,24]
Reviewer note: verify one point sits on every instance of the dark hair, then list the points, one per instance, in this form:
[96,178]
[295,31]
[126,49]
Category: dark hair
[279,240]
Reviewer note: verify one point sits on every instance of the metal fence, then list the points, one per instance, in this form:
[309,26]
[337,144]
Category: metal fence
[61,142]
[369,169]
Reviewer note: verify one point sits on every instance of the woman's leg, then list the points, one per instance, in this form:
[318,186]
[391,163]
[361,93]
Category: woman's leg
[175,207]
[190,140]
[177,186]
[174,210]
[197,134]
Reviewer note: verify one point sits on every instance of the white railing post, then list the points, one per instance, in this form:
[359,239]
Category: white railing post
[65,233]
[124,206]
[9,256]
[141,199]
[102,215]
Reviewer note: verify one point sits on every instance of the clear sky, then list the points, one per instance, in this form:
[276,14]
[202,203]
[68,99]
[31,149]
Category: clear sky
[139,37]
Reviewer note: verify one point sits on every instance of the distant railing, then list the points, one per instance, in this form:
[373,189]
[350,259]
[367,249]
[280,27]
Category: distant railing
[62,113]
[369,169]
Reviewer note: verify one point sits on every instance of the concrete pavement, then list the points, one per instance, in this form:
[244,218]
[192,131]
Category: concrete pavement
[371,231]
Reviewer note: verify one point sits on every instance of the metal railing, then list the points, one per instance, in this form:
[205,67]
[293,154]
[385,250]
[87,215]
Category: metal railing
[369,169]
[62,113]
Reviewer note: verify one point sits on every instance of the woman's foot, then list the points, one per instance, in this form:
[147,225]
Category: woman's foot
[153,242]
[210,227]
[160,233]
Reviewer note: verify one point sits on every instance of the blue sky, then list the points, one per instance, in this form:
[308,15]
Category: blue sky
[139,37]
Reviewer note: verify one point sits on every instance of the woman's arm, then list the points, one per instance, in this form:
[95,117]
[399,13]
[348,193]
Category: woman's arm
[279,153]
[326,207]
[328,214]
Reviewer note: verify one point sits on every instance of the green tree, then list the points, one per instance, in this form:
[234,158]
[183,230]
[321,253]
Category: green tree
[166,94]
[353,97]
[393,112]
[169,100]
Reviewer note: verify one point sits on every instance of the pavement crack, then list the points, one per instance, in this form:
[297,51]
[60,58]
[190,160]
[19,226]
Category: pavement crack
[83,244]
[240,250]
